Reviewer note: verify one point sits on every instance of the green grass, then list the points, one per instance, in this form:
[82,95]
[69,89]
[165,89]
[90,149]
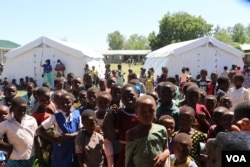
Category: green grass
[136,69]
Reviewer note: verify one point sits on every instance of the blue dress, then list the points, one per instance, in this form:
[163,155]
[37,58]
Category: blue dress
[64,155]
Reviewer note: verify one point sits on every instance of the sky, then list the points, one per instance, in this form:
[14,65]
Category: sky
[88,22]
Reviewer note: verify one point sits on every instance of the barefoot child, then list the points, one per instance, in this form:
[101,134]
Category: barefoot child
[20,130]
[89,145]
[66,123]
[147,142]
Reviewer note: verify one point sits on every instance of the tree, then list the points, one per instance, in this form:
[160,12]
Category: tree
[115,40]
[238,33]
[223,34]
[179,27]
[247,30]
[137,42]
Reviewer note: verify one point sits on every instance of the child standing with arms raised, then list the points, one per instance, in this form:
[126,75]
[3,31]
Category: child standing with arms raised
[67,123]
[146,142]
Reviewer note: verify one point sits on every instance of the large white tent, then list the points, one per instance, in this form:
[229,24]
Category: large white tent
[25,60]
[202,53]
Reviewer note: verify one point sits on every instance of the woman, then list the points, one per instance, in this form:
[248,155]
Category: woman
[47,68]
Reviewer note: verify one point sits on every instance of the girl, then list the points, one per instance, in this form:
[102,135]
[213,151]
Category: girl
[47,68]
[45,108]
[20,130]
[146,142]
[149,82]
[66,123]
[77,86]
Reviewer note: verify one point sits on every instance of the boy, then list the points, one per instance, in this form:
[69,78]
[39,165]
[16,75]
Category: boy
[182,149]
[242,116]
[20,130]
[91,99]
[238,93]
[203,81]
[167,107]
[89,145]
[169,123]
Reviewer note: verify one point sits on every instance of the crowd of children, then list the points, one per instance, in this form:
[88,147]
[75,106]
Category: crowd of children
[105,122]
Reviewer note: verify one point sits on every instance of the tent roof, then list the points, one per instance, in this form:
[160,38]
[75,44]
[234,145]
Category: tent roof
[245,47]
[67,47]
[8,44]
[181,47]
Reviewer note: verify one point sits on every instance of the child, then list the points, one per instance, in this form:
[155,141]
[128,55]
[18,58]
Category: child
[116,95]
[10,92]
[20,130]
[29,96]
[4,115]
[242,116]
[103,102]
[227,122]
[91,99]
[166,106]
[212,86]
[122,119]
[56,99]
[183,78]
[186,120]
[210,103]
[103,85]
[226,101]
[45,108]
[203,81]
[169,123]
[88,81]
[182,150]
[238,93]
[149,82]
[201,114]
[66,123]
[68,83]
[154,94]
[218,122]
[77,86]
[82,97]
[146,142]
[89,145]
[59,84]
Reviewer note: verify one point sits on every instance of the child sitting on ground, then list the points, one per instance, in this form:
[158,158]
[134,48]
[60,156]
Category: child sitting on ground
[182,150]
[89,145]
[147,142]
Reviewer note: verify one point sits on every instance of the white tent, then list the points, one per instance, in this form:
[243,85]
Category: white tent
[25,60]
[202,53]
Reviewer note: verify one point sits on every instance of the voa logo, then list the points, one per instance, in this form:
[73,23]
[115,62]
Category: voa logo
[236,158]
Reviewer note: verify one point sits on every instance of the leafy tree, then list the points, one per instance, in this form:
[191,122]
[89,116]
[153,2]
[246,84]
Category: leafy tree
[247,30]
[223,34]
[178,27]
[115,40]
[238,33]
[137,42]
